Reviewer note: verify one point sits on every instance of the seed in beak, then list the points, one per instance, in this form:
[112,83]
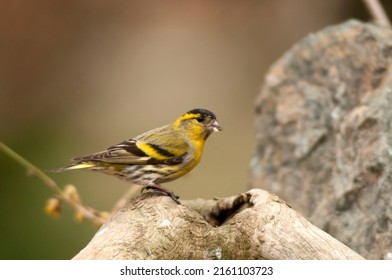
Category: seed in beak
[216,126]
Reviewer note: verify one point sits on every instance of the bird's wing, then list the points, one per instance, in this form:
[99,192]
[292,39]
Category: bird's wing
[125,152]
[143,150]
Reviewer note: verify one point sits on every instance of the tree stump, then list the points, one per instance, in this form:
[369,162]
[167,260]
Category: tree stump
[253,225]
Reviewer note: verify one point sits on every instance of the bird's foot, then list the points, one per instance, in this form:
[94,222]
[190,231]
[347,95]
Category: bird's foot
[159,189]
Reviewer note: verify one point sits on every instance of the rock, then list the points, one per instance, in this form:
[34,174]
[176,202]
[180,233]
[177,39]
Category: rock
[324,134]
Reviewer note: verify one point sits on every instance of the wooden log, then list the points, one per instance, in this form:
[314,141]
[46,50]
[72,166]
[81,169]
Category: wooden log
[252,225]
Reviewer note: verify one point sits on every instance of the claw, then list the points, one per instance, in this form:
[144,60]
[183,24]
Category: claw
[159,189]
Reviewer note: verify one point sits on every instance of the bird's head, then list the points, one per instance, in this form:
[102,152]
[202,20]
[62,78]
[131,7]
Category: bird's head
[199,123]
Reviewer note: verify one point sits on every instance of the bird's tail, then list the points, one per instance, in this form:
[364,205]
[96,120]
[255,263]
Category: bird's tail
[75,166]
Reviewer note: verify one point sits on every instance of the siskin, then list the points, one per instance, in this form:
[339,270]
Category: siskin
[157,156]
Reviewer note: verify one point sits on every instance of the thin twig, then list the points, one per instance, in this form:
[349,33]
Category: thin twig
[87,213]
[377,12]
[31,169]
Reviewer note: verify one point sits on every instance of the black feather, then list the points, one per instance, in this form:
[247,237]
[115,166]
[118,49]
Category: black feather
[129,146]
[202,112]
[170,161]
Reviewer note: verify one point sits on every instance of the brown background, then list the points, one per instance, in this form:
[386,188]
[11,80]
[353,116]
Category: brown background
[79,76]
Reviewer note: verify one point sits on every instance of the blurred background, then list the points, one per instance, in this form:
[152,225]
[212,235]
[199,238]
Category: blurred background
[79,76]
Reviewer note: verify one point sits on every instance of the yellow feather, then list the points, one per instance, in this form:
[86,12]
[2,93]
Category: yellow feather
[81,166]
[149,150]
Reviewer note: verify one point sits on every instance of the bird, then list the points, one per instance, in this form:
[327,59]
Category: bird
[157,156]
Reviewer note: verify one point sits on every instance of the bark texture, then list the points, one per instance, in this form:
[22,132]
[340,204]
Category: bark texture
[324,134]
[253,225]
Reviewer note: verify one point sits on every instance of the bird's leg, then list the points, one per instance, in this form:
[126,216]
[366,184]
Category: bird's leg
[160,189]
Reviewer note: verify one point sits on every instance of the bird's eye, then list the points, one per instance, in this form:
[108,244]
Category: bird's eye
[200,119]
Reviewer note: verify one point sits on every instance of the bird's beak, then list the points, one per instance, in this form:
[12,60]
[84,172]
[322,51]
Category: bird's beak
[216,126]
